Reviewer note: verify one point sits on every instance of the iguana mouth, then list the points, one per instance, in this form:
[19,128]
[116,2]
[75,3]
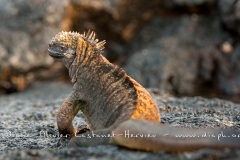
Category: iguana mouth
[55,54]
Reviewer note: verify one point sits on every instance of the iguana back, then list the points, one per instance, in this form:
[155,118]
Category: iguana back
[104,93]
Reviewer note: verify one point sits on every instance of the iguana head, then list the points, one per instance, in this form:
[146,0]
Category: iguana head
[67,46]
[63,46]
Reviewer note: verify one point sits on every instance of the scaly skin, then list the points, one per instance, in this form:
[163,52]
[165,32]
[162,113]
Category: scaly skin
[110,99]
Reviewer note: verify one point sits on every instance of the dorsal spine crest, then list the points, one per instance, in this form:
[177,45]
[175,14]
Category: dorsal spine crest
[90,37]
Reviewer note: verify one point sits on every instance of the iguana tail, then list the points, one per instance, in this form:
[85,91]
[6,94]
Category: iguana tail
[144,135]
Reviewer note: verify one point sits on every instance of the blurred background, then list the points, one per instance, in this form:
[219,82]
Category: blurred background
[185,47]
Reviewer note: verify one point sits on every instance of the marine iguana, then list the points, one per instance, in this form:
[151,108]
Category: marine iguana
[114,103]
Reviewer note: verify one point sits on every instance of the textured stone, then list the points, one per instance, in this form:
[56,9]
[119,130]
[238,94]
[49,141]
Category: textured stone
[25,29]
[175,53]
[230,15]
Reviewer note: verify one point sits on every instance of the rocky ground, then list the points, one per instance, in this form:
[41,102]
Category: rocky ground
[28,126]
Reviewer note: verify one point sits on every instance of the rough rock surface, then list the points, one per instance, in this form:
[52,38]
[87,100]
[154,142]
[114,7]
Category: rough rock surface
[28,126]
[26,28]
[177,54]
[230,15]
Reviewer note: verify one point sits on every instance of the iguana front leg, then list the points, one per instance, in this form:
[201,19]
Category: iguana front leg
[65,116]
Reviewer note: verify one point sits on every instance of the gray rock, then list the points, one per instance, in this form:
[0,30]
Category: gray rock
[26,28]
[177,54]
[165,64]
[229,71]
[230,16]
